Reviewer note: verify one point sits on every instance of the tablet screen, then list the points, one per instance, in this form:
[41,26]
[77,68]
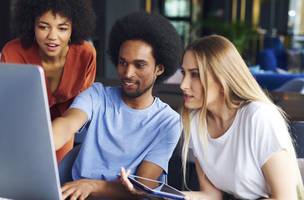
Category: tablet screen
[158,186]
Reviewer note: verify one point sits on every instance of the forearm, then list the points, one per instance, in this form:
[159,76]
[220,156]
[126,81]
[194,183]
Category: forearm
[62,133]
[112,190]
[202,195]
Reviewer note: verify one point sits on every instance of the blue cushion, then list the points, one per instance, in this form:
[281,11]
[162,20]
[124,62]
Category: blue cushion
[267,60]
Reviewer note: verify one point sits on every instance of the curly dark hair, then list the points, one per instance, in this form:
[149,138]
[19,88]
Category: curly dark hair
[80,12]
[153,29]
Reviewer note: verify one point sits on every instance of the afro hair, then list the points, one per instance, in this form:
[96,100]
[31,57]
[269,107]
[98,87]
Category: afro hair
[80,12]
[153,29]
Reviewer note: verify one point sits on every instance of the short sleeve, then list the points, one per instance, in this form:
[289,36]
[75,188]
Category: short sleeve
[270,134]
[85,100]
[162,151]
[90,69]
[12,52]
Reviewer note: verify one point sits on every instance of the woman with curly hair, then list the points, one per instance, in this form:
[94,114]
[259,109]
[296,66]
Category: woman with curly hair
[51,34]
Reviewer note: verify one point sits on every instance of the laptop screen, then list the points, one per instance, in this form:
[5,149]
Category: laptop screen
[28,168]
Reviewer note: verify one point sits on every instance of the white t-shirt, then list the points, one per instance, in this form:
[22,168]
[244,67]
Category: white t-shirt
[233,161]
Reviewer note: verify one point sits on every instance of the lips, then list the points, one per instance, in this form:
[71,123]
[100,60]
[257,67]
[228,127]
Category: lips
[129,85]
[187,97]
[51,46]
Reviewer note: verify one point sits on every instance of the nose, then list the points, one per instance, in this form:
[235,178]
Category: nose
[185,84]
[129,71]
[52,34]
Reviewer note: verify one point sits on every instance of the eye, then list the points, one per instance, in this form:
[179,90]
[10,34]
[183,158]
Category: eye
[43,27]
[183,72]
[122,62]
[140,64]
[195,74]
[63,29]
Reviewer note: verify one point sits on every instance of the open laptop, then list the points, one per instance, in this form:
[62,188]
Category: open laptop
[28,168]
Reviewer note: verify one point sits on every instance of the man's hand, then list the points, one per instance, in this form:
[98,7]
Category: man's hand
[79,190]
[128,185]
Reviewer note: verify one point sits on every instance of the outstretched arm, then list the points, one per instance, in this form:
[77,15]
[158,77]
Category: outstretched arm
[82,189]
[66,126]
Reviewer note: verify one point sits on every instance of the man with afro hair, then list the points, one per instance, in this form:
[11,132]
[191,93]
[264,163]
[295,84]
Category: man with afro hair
[125,126]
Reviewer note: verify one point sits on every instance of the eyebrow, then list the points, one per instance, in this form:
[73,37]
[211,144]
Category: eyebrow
[66,23]
[136,60]
[191,70]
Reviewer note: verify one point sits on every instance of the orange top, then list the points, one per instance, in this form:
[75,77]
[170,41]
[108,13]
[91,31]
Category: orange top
[78,74]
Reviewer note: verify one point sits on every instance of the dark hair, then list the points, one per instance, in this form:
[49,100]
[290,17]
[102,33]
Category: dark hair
[153,29]
[80,12]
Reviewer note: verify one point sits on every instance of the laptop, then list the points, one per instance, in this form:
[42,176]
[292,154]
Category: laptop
[28,166]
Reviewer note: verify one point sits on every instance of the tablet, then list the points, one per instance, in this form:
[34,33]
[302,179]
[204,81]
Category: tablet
[162,190]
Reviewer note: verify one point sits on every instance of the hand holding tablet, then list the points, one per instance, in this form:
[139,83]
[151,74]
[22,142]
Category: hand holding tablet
[163,190]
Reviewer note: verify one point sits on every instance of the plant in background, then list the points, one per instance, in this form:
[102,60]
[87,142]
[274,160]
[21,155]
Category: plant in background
[240,34]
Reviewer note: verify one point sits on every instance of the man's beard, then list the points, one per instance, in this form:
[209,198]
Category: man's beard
[137,93]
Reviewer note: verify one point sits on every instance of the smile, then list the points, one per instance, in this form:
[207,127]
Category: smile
[129,85]
[51,46]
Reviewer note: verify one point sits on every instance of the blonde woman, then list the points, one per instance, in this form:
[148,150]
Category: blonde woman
[240,139]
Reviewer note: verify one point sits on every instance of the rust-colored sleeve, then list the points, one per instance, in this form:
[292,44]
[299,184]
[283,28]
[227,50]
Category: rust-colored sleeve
[11,53]
[90,73]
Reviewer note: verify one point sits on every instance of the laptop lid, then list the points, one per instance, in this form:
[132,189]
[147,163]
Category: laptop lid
[28,168]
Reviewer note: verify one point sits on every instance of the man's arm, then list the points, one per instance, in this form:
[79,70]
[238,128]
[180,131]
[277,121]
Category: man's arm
[84,188]
[66,126]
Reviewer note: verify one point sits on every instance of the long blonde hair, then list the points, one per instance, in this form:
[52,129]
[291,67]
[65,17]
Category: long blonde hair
[218,56]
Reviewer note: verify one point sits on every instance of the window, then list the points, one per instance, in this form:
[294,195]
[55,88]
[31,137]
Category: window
[179,13]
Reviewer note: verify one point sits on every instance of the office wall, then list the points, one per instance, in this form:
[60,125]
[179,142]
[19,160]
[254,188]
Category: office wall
[5,22]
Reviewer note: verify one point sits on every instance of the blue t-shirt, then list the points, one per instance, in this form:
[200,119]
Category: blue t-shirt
[119,136]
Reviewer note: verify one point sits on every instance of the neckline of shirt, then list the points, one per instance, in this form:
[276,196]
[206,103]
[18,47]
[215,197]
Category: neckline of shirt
[227,133]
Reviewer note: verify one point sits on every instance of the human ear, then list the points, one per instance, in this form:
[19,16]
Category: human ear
[160,69]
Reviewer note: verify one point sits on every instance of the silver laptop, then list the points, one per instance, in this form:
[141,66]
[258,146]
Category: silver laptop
[28,168]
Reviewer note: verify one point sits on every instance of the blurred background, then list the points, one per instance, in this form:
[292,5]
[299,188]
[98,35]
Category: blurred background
[268,33]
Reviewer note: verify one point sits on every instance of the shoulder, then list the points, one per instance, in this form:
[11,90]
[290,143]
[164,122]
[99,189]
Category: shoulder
[263,120]
[169,121]
[12,45]
[84,49]
[14,52]
[258,109]
[165,110]
[98,90]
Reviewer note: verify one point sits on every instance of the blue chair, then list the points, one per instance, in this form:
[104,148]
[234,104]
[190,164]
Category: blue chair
[294,85]
[267,60]
[273,42]
[65,166]
[273,55]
